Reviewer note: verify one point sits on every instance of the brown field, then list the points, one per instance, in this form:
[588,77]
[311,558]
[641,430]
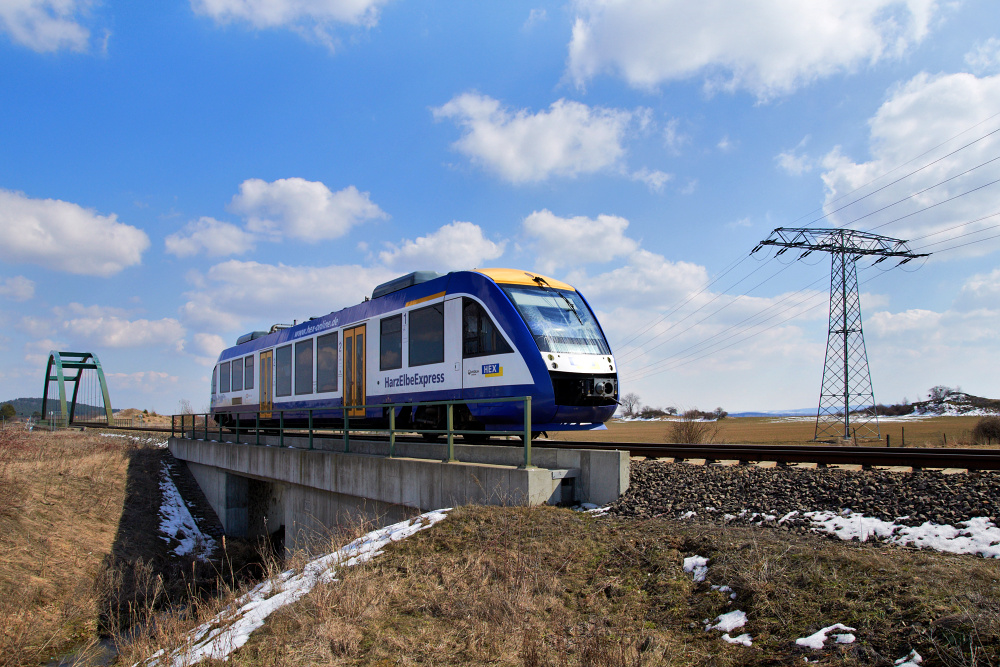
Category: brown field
[61,498]
[929,432]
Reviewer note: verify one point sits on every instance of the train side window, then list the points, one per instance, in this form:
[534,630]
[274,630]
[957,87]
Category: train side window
[224,377]
[326,363]
[283,371]
[304,367]
[427,335]
[215,373]
[238,374]
[480,335]
[391,343]
[248,373]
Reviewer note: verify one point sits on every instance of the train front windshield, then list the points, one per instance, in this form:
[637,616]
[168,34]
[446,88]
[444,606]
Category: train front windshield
[559,320]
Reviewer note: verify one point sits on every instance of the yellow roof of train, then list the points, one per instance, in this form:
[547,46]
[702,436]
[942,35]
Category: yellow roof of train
[521,277]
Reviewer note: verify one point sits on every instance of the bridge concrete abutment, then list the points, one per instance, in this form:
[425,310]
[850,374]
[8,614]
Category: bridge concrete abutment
[259,490]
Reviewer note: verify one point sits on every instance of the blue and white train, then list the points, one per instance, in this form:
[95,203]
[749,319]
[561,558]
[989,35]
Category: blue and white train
[463,336]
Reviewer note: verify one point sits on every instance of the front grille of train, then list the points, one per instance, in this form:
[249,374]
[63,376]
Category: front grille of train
[576,389]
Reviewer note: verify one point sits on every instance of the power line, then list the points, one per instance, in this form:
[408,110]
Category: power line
[904,177]
[896,168]
[718,296]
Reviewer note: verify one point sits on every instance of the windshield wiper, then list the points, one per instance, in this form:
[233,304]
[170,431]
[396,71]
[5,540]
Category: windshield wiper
[541,283]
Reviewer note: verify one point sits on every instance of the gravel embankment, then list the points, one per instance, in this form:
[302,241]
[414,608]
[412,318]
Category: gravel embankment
[722,493]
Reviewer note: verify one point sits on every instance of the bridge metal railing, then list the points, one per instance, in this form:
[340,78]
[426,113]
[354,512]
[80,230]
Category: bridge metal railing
[204,424]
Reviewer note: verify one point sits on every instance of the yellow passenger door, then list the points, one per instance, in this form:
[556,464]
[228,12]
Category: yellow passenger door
[354,370]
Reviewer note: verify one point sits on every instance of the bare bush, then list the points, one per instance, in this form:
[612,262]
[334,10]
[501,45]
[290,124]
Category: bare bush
[986,431]
[692,431]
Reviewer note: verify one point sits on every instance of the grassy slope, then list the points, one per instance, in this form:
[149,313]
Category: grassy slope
[547,586]
[60,500]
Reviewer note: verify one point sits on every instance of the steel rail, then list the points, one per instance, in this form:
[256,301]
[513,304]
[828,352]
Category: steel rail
[913,457]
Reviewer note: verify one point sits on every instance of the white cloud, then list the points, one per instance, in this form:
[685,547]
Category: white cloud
[654,180]
[148,382]
[460,245]
[302,209]
[206,348]
[110,327]
[568,139]
[918,116]
[535,17]
[796,165]
[236,292]
[208,235]
[885,323]
[985,58]
[17,288]
[312,19]
[673,138]
[36,352]
[647,280]
[45,25]
[560,242]
[768,47]
[981,291]
[64,236]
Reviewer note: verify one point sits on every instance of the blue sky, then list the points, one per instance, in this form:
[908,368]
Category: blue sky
[175,174]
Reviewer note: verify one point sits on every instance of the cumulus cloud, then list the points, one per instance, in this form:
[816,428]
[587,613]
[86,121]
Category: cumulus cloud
[235,292]
[654,179]
[985,58]
[929,206]
[148,382]
[313,19]
[110,327]
[302,209]
[210,236]
[568,139]
[767,47]
[64,236]
[560,242]
[17,288]
[649,280]
[980,291]
[460,245]
[885,323]
[45,25]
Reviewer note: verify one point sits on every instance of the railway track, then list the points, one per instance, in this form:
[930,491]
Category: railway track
[913,457]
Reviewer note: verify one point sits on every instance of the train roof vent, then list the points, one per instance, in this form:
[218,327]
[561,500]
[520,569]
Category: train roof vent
[246,338]
[409,280]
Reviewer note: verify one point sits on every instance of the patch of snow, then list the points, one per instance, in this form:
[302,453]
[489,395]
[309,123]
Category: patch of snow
[689,514]
[591,508]
[231,628]
[912,660]
[979,536]
[728,622]
[176,522]
[697,566]
[817,640]
[744,639]
[156,441]
[725,589]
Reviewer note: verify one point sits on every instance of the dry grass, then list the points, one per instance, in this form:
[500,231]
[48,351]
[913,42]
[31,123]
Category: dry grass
[60,499]
[547,586]
[930,432]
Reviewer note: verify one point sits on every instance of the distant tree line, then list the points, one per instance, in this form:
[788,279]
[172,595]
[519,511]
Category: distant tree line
[632,407]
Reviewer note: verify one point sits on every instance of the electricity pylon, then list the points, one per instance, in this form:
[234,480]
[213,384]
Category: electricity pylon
[847,382]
